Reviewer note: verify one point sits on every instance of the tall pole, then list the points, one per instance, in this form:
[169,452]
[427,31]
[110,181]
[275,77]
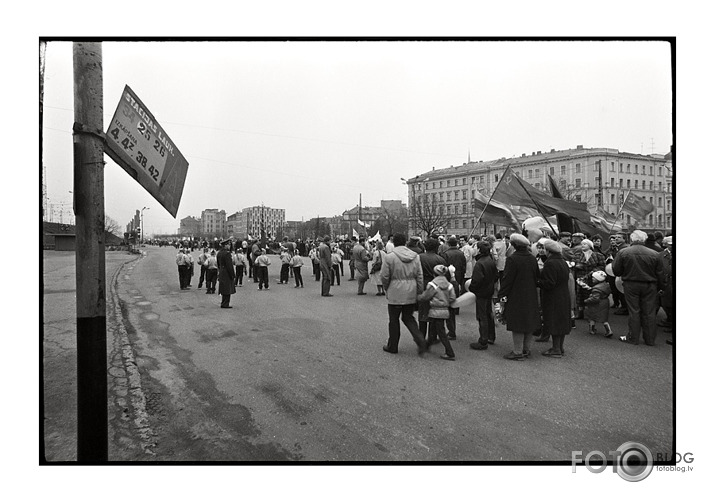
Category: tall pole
[92,444]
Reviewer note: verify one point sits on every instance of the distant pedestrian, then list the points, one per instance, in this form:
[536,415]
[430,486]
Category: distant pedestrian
[361,258]
[226,274]
[336,257]
[211,272]
[202,264]
[262,262]
[484,277]
[315,261]
[241,264]
[378,257]
[296,263]
[181,265]
[285,266]
[402,280]
[325,263]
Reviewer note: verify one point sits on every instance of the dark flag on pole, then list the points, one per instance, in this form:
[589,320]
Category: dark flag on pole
[564,222]
[638,207]
[495,212]
[514,191]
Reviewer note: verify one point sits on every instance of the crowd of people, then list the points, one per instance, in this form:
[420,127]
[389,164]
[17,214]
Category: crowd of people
[536,283]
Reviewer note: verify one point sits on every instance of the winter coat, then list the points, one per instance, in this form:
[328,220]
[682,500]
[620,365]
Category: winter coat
[484,275]
[584,267]
[428,261]
[597,303]
[521,274]
[455,257]
[226,273]
[440,295]
[638,263]
[401,276]
[555,296]
[361,257]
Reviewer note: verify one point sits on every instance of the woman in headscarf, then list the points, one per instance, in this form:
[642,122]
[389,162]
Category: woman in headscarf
[518,293]
[555,298]
[586,260]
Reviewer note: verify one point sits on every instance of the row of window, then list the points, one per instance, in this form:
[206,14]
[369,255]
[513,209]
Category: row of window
[447,183]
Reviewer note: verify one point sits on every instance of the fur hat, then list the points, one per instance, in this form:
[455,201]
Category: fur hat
[588,243]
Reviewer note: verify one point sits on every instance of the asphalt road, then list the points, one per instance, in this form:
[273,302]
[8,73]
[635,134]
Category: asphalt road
[288,375]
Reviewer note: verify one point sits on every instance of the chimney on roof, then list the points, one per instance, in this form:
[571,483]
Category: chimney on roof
[538,152]
[523,155]
[579,147]
[533,153]
[432,168]
[553,150]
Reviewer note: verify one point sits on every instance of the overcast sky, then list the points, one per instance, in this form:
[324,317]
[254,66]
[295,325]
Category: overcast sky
[309,126]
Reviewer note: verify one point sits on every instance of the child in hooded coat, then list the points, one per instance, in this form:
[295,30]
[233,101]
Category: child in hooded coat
[440,294]
[597,303]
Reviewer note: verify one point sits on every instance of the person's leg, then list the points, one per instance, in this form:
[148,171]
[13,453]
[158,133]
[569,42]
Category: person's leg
[361,282]
[442,334]
[518,341]
[452,325]
[393,327]
[202,276]
[632,297]
[336,273]
[409,321]
[649,307]
[325,285]
[482,305]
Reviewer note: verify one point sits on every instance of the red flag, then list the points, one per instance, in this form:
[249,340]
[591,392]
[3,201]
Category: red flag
[637,206]
[495,212]
[513,191]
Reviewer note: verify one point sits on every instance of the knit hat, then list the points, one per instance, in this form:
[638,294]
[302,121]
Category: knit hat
[598,276]
[440,270]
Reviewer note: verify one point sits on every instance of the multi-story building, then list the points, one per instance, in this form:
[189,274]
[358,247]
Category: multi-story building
[596,176]
[213,223]
[189,226]
[250,221]
[233,224]
[368,215]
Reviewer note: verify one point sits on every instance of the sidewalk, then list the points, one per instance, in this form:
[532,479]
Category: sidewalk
[59,349]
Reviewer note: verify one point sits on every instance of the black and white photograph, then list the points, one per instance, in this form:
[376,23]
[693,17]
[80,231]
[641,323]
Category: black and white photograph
[439,261]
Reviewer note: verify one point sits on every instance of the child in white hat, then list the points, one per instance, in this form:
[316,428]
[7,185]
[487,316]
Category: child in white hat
[597,303]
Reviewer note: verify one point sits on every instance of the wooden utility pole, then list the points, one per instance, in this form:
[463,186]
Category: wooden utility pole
[92,443]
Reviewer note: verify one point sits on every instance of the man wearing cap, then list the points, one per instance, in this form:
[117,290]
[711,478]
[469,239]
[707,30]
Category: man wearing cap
[641,270]
[202,263]
[484,276]
[326,264]
[181,263]
[226,274]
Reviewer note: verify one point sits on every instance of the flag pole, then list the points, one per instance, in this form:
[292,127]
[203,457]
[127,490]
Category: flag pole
[619,211]
[537,206]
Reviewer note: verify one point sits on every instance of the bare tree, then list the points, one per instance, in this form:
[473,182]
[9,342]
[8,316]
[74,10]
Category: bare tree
[428,216]
[111,226]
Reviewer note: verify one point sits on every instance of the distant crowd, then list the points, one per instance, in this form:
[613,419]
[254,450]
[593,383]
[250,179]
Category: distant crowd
[536,283]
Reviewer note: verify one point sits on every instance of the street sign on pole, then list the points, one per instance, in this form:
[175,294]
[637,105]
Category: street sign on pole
[137,142]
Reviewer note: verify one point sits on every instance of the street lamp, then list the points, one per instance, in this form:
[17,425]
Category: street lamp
[141,219]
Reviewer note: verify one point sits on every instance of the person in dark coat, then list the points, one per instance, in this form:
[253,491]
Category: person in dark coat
[226,274]
[455,257]
[666,296]
[429,259]
[518,293]
[326,264]
[484,276]
[555,298]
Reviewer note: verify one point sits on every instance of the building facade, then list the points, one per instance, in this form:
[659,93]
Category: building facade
[189,226]
[251,220]
[369,215]
[213,223]
[596,176]
[233,224]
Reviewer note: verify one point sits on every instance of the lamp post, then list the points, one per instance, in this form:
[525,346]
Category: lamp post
[141,219]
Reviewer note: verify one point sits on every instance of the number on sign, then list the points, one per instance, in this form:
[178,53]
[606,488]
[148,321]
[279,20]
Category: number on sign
[127,144]
[115,133]
[141,160]
[154,173]
[158,147]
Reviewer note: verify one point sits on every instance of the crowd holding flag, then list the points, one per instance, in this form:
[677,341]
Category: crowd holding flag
[637,206]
